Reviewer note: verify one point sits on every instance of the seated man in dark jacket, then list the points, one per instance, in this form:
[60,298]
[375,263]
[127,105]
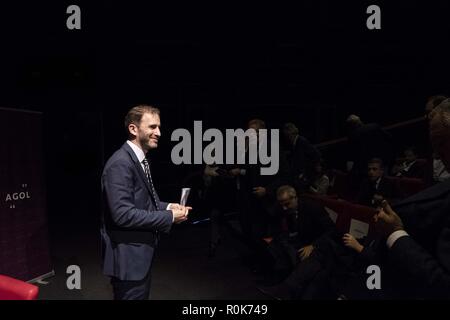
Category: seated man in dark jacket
[376,185]
[306,223]
[411,168]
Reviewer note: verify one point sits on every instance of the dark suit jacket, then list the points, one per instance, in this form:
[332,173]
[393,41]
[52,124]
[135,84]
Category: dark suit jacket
[304,157]
[417,170]
[424,257]
[312,224]
[254,178]
[130,221]
[387,188]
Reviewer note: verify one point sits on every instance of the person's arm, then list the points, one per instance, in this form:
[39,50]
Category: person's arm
[430,272]
[326,226]
[118,187]
[322,185]
[367,253]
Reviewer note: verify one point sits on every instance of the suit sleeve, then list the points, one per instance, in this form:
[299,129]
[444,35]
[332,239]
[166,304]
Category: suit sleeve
[325,225]
[430,272]
[163,204]
[119,187]
[281,177]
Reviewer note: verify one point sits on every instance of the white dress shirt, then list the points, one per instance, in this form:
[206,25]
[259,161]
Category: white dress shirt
[395,236]
[141,156]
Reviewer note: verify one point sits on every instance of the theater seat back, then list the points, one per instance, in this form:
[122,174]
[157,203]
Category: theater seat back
[348,214]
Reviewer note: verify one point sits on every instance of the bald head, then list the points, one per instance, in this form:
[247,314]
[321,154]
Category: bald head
[432,103]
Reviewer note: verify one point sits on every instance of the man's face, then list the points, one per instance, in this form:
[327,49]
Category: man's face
[440,139]
[148,132]
[288,202]
[374,171]
[410,156]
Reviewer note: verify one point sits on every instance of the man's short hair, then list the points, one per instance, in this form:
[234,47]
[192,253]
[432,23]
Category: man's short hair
[258,122]
[436,99]
[440,116]
[286,189]
[290,128]
[376,161]
[135,114]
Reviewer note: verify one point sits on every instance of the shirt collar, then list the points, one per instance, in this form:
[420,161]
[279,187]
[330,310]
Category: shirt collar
[408,166]
[137,151]
[377,183]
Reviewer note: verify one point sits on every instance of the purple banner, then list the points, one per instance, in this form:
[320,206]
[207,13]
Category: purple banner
[24,251]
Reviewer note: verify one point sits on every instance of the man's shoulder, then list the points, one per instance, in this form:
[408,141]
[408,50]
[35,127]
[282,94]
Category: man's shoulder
[119,157]
[440,191]
[302,140]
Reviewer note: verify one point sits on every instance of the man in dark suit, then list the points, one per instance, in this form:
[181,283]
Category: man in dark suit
[308,228]
[418,229]
[133,214]
[411,168]
[376,186]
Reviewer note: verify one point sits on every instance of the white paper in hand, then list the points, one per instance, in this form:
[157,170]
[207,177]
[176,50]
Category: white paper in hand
[184,195]
[358,229]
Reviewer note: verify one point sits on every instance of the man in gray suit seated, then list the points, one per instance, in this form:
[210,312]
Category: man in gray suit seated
[133,215]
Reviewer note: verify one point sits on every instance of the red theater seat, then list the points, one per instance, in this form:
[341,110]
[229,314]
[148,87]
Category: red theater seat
[410,186]
[13,289]
[346,211]
[340,185]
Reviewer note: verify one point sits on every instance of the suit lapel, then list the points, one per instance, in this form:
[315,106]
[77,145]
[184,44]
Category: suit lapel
[138,166]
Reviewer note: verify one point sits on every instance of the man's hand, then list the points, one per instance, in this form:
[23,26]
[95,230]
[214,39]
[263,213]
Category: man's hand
[387,221]
[211,171]
[235,172]
[305,252]
[174,206]
[180,213]
[259,191]
[351,242]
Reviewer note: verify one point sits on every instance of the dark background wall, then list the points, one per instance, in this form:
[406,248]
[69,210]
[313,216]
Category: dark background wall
[223,63]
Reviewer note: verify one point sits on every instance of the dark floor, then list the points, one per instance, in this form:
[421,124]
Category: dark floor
[182,269]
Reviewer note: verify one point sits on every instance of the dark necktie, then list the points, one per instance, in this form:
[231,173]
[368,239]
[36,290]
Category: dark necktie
[150,181]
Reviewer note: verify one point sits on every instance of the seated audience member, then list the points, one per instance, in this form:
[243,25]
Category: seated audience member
[376,185]
[417,230]
[336,267]
[308,225]
[439,172]
[410,168]
[317,182]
